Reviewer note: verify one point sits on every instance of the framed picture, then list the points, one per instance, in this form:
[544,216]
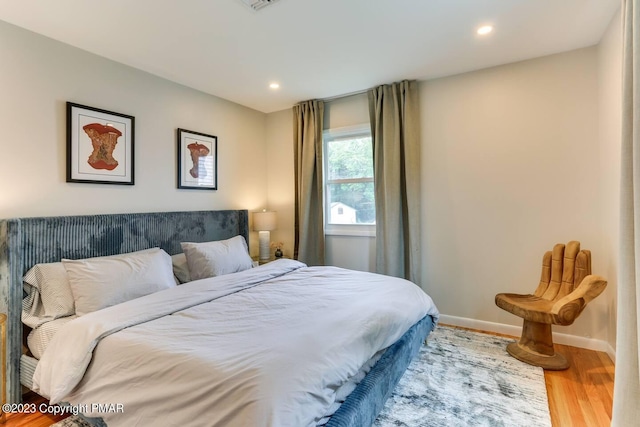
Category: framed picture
[100,146]
[197,160]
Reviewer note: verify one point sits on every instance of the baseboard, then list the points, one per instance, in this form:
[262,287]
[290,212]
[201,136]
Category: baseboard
[515,331]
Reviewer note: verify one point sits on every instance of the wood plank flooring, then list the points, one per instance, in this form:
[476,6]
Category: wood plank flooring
[580,396]
[583,394]
[37,419]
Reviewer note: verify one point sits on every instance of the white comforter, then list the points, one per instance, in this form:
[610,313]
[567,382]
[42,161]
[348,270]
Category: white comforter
[265,347]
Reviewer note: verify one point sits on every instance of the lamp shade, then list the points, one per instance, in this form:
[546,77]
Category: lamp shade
[264,221]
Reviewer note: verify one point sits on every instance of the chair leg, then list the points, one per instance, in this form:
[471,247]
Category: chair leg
[536,347]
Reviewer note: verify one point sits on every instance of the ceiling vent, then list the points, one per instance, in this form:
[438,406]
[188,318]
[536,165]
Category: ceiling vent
[258,4]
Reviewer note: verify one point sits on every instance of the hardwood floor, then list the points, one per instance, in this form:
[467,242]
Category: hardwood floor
[581,396]
[37,419]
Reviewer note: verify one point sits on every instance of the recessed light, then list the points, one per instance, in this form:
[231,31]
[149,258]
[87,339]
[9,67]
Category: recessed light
[485,29]
[274,85]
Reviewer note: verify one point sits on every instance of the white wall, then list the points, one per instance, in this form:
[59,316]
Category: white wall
[39,75]
[511,165]
[610,106]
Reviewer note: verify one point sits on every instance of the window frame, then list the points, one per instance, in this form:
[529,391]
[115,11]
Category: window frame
[358,230]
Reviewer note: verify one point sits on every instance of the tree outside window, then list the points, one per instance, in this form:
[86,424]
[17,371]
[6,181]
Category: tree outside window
[349,178]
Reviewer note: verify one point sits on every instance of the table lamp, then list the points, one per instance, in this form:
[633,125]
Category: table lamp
[263,223]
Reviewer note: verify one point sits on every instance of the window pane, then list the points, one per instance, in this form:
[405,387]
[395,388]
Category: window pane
[349,158]
[351,203]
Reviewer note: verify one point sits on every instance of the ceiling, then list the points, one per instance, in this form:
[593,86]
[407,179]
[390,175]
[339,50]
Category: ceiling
[313,48]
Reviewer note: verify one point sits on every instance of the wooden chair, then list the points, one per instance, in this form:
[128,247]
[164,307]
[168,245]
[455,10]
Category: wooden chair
[566,287]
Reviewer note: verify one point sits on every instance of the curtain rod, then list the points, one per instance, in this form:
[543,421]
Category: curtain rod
[358,92]
[333,98]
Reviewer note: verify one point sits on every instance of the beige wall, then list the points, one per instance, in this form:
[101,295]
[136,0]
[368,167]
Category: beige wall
[610,114]
[39,75]
[348,111]
[515,159]
[511,165]
[280,179]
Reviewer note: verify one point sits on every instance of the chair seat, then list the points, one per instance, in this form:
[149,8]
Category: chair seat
[529,307]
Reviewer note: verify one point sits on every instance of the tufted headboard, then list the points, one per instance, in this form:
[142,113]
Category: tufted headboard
[25,242]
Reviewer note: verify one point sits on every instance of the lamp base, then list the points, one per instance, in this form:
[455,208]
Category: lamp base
[264,239]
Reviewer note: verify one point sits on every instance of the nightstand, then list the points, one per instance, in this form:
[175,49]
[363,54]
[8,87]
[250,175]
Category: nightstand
[265,261]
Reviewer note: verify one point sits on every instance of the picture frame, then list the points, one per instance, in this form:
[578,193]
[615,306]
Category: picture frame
[197,160]
[100,146]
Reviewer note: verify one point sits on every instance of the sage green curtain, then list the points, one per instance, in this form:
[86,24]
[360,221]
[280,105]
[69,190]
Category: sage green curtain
[394,114]
[308,119]
[626,395]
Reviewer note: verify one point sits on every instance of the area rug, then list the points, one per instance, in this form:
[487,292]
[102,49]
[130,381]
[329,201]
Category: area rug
[460,378]
[465,378]
[72,421]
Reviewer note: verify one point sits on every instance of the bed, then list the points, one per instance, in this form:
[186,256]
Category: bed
[29,241]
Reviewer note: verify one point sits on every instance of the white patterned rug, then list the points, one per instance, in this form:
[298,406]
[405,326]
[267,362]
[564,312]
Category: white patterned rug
[459,379]
[464,378]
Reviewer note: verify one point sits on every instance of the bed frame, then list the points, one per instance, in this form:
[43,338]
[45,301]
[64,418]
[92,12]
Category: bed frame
[25,242]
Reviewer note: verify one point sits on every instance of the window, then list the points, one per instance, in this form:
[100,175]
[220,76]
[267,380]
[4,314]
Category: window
[349,194]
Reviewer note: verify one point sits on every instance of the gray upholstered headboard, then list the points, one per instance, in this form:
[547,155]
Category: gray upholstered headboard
[25,242]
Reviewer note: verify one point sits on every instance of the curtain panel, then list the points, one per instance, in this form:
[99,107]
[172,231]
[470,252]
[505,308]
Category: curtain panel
[626,411]
[308,120]
[394,114]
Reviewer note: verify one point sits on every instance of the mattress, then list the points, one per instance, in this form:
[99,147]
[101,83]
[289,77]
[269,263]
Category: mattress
[27,368]
[347,388]
[39,338]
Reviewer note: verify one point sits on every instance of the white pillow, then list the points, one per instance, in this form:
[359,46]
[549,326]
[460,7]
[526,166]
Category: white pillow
[48,294]
[211,259]
[101,282]
[180,268]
